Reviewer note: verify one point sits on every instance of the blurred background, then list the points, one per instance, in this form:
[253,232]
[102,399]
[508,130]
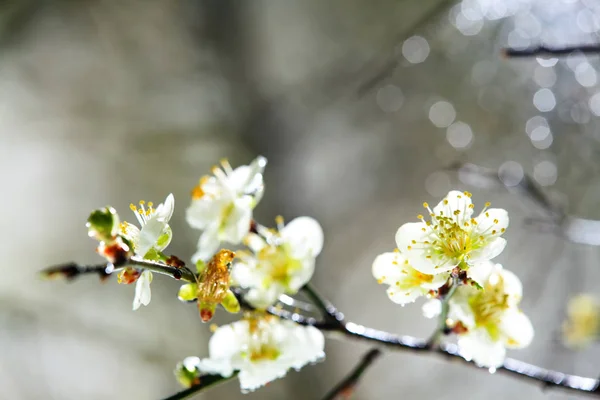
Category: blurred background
[359,106]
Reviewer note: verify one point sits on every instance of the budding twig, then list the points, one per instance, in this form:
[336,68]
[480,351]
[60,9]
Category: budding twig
[347,385]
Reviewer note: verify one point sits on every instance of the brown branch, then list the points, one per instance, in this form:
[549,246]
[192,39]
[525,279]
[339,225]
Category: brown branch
[346,386]
[550,51]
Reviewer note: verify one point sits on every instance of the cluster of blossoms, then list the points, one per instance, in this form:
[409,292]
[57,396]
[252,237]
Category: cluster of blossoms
[447,258]
[272,261]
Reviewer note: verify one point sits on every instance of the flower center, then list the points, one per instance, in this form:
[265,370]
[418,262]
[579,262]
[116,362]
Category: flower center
[261,346]
[489,304]
[278,263]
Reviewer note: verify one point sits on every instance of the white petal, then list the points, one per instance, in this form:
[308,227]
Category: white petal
[248,179]
[221,367]
[203,212]
[254,242]
[263,297]
[457,201]
[164,211]
[149,235]
[512,284]
[517,329]
[244,272]
[432,308]
[477,345]
[409,232]
[305,237]
[480,272]
[228,340]
[430,266]
[132,232]
[208,244]
[491,250]
[237,224]
[301,276]
[437,281]
[142,290]
[260,374]
[302,344]
[403,297]
[485,221]
[387,267]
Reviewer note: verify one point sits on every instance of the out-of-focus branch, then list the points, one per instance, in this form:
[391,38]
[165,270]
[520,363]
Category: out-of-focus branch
[345,388]
[550,51]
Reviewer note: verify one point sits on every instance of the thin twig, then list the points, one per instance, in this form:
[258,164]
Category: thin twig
[206,382]
[73,270]
[347,385]
[550,51]
[331,313]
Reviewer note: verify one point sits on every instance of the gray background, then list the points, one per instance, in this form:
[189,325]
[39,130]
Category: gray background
[109,102]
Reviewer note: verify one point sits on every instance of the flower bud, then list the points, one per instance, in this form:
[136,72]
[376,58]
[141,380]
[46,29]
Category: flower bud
[187,372]
[103,224]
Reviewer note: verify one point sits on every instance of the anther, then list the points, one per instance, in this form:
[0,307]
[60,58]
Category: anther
[426,205]
[445,201]
[487,204]
[495,221]
[419,216]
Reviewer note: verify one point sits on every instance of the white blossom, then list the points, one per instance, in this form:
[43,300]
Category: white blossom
[488,320]
[582,326]
[406,284]
[155,234]
[222,205]
[262,349]
[453,237]
[279,262]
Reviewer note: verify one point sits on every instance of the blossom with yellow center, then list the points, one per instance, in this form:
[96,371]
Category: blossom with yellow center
[490,319]
[148,241]
[582,326]
[222,205]
[406,284]
[261,348]
[452,237]
[279,262]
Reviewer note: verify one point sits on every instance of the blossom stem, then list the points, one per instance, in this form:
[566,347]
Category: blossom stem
[206,382]
[551,51]
[445,304]
[347,385]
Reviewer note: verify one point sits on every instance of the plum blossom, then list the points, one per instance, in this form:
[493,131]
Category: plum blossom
[453,237]
[489,321]
[406,284]
[222,205]
[148,241]
[582,326]
[261,348]
[280,261]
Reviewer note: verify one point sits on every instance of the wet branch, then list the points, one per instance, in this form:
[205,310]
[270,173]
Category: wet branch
[206,382]
[346,386]
[550,51]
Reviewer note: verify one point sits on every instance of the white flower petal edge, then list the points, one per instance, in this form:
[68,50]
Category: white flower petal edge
[142,290]
[282,264]
[222,205]
[452,236]
[406,284]
[262,350]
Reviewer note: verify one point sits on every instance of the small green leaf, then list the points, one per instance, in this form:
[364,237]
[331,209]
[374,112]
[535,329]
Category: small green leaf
[230,303]
[188,292]
[187,372]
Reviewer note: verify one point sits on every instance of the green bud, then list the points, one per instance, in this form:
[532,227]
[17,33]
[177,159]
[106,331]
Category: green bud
[230,303]
[187,372]
[103,224]
[188,292]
